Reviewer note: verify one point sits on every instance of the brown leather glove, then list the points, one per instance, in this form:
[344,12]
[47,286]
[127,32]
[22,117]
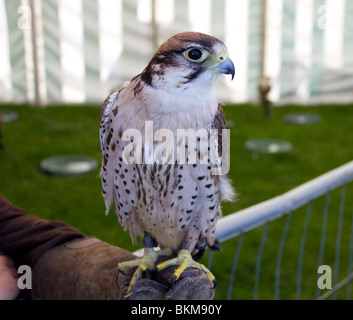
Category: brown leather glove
[87,269]
[25,238]
[68,265]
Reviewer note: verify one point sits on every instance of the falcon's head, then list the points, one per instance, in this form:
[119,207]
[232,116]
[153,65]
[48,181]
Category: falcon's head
[188,60]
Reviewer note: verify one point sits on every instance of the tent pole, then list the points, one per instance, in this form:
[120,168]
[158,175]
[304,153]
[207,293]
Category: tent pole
[264,87]
[263,38]
[154,26]
[37,99]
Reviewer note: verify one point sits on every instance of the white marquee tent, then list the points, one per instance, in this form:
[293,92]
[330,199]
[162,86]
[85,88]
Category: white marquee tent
[77,51]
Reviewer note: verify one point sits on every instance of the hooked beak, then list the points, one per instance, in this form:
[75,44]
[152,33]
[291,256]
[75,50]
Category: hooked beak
[226,67]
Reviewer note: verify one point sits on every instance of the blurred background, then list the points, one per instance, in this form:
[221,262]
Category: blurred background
[289,111]
[62,51]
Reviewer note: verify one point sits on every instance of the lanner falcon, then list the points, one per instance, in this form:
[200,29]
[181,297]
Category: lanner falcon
[155,166]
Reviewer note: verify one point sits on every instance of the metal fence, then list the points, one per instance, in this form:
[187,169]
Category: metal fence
[318,248]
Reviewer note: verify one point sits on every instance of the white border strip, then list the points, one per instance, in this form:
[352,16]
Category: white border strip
[72,51]
[237,41]
[110,37]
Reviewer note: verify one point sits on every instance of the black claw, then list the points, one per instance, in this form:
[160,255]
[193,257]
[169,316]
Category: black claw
[148,273]
[124,273]
[154,269]
[173,281]
[214,283]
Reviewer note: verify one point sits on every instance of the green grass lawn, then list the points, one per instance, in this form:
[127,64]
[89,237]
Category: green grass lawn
[317,148]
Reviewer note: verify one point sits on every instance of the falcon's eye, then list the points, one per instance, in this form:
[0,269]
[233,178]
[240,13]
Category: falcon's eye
[195,54]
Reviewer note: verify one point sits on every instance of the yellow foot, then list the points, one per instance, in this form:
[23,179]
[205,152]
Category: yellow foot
[184,260]
[146,263]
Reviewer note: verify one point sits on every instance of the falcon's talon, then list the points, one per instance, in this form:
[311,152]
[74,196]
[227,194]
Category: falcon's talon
[214,283]
[148,273]
[173,281]
[185,260]
[121,271]
[144,264]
